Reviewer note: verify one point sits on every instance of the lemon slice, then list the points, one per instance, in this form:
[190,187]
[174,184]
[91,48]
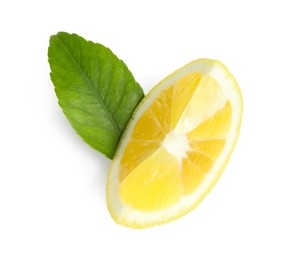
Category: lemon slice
[176,145]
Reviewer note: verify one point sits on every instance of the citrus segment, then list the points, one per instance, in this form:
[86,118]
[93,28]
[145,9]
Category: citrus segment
[182,93]
[192,176]
[211,148]
[161,185]
[216,127]
[155,122]
[206,100]
[135,153]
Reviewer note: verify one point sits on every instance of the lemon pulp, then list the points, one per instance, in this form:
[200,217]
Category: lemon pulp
[184,131]
[176,146]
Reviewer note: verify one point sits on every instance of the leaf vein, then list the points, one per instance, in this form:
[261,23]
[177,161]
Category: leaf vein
[90,83]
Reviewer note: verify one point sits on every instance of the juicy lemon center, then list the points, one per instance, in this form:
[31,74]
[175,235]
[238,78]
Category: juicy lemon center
[177,144]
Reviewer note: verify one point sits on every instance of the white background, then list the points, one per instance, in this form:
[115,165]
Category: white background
[52,185]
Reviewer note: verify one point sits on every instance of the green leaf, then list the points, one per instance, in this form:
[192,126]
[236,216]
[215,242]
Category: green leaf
[95,89]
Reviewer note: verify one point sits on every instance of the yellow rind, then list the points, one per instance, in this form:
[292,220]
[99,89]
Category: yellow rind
[238,94]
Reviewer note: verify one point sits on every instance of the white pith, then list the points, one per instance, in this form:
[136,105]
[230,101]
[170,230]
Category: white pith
[176,144]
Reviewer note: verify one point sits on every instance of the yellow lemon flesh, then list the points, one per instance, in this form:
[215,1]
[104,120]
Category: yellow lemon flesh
[176,145]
